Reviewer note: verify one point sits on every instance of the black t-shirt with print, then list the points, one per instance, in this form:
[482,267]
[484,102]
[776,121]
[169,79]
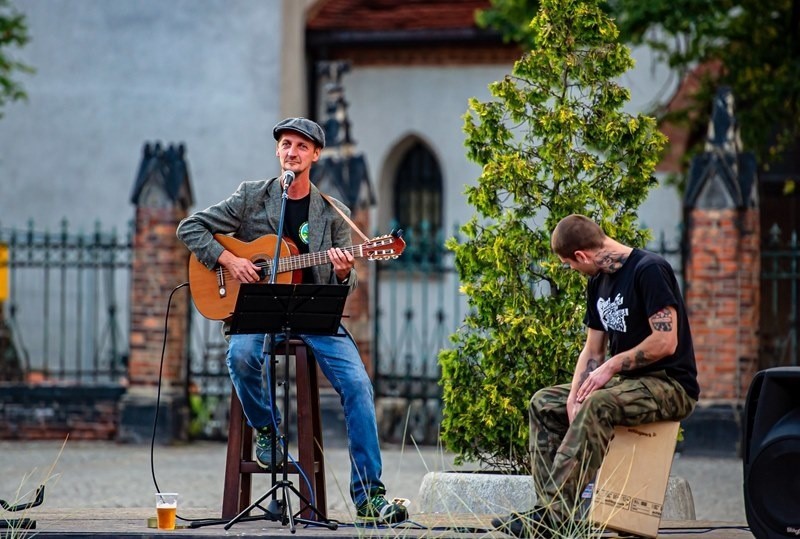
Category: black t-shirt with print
[295,228]
[621,304]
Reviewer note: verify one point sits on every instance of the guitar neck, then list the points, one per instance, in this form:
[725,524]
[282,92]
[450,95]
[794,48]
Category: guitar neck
[307,260]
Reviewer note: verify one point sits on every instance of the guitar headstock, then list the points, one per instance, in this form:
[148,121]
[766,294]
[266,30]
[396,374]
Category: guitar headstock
[385,247]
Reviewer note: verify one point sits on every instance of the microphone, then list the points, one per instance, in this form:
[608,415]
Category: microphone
[287,179]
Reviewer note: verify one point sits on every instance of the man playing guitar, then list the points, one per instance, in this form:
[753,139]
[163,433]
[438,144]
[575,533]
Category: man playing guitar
[313,225]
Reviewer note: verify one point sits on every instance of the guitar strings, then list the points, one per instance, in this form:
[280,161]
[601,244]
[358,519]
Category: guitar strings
[294,262]
[300,261]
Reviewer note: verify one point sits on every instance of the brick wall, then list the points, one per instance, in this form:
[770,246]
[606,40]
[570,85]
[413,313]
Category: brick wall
[722,297]
[39,412]
[159,265]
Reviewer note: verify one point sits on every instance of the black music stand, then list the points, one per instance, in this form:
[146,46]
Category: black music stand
[276,309]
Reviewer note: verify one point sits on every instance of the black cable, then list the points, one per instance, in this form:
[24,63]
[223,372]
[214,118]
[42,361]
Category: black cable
[158,397]
[158,406]
[698,530]
[158,392]
[412,525]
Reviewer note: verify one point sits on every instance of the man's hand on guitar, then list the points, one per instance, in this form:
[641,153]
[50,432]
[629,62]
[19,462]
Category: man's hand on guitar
[342,262]
[214,291]
[241,269]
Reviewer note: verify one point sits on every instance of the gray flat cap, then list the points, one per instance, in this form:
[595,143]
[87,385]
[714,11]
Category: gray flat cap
[304,126]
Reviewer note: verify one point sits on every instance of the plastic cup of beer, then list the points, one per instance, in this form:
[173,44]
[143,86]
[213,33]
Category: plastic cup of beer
[166,507]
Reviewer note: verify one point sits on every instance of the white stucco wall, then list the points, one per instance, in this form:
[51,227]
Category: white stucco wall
[651,83]
[113,75]
[211,74]
[388,104]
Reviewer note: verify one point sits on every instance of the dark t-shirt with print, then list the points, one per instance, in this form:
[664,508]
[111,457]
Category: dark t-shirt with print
[621,304]
[296,228]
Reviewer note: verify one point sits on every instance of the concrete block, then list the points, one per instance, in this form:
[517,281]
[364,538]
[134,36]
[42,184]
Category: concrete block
[679,503]
[477,493]
[486,493]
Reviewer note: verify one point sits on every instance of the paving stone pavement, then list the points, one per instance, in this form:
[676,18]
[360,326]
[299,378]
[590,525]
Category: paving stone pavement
[108,474]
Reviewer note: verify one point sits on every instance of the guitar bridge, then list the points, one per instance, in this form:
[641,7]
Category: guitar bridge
[222,291]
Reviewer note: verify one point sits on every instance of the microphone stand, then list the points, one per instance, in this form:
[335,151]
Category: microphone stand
[275,507]
[280,510]
[288,178]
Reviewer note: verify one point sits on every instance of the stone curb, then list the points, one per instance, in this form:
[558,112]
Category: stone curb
[482,493]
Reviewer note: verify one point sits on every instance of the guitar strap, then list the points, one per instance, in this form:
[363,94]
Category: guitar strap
[346,218]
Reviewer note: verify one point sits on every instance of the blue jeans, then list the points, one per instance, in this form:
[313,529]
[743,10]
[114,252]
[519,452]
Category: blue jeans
[340,362]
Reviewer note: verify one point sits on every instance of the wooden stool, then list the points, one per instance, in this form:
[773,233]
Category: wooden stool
[240,464]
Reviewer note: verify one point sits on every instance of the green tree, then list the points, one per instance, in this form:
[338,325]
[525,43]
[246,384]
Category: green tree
[753,45]
[13,34]
[553,141]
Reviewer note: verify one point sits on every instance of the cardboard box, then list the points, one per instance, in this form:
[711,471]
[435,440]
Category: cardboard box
[632,482]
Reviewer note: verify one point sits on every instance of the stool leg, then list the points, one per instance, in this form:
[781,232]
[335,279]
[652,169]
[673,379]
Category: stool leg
[309,433]
[316,422]
[247,456]
[232,492]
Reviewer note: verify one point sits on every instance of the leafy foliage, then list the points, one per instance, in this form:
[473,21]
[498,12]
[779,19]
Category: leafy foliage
[752,46]
[757,45]
[554,141]
[13,33]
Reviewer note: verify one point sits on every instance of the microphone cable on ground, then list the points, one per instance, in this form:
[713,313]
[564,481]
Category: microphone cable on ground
[158,390]
[158,407]
[158,400]
[698,530]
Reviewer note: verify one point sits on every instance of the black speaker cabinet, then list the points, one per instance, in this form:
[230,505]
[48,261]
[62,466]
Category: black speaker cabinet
[771,453]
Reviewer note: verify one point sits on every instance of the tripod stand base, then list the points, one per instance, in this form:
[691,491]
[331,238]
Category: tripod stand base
[285,505]
[276,511]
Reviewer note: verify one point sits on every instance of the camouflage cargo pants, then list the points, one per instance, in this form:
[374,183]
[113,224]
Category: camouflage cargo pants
[566,457]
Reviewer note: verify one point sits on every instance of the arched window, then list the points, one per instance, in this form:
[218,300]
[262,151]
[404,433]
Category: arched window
[418,191]
[417,199]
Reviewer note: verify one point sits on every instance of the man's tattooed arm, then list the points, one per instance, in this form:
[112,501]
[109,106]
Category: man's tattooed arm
[591,365]
[650,350]
[662,320]
[639,360]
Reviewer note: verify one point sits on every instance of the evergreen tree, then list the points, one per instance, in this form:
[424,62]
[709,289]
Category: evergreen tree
[553,141]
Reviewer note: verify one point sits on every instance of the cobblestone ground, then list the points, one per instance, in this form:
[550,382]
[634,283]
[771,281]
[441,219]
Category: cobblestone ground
[107,474]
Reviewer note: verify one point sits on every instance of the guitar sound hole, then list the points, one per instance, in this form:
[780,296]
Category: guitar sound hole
[263,271]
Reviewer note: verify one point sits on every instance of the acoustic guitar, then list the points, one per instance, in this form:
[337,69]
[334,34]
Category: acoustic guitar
[214,291]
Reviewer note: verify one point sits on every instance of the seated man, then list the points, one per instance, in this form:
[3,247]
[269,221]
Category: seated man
[636,313]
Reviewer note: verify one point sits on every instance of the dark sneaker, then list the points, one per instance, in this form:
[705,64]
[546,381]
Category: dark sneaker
[377,509]
[534,524]
[264,449]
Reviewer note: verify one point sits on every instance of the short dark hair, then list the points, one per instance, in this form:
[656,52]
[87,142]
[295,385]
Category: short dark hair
[576,233]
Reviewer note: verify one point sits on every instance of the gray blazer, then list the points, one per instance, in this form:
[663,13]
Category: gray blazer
[253,211]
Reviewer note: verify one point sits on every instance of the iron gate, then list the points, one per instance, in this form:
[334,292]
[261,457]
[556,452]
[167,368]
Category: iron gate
[67,302]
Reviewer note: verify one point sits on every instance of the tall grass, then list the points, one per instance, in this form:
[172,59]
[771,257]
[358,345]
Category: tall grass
[462,519]
[14,521]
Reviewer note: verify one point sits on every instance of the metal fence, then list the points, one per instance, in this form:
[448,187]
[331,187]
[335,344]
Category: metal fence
[67,304]
[209,381]
[68,300]
[780,274]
